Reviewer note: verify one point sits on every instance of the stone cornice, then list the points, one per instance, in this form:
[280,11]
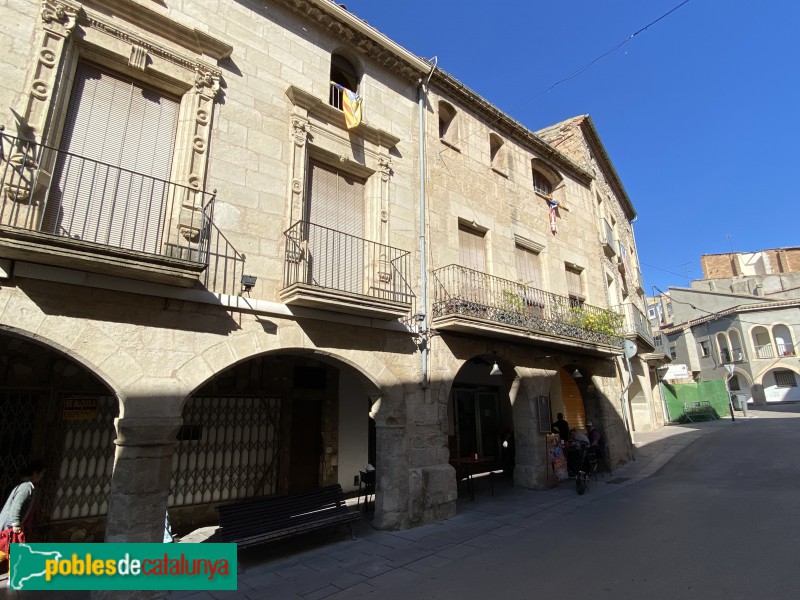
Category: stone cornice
[192,39]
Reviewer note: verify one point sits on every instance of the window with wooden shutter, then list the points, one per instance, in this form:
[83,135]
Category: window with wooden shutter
[574,287]
[528,267]
[471,248]
[335,209]
[110,183]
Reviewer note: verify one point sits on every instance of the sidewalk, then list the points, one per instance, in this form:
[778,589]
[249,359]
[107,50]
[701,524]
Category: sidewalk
[380,560]
[331,565]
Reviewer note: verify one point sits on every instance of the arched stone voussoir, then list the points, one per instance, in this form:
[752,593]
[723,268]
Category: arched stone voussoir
[72,351]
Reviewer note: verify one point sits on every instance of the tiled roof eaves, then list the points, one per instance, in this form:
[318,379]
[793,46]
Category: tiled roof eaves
[742,308]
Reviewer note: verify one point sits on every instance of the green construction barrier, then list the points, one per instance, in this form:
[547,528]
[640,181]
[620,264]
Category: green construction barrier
[677,394]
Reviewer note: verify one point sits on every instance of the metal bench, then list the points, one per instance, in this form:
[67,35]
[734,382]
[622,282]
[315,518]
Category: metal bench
[261,520]
[699,410]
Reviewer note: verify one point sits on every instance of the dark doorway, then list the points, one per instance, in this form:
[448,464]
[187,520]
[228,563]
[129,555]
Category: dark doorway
[306,446]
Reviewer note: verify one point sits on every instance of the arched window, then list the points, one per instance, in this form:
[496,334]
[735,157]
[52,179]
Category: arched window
[541,184]
[737,348]
[783,340]
[448,127]
[344,74]
[724,349]
[762,343]
[497,153]
[546,179]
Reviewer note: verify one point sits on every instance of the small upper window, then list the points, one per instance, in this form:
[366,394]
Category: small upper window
[673,352]
[447,122]
[734,384]
[704,350]
[344,74]
[497,153]
[541,184]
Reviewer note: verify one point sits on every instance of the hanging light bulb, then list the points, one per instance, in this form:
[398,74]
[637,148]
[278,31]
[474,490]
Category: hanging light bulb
[495,369]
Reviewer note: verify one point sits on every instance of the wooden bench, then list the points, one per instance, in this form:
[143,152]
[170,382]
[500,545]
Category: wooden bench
[261,520]
[699,410]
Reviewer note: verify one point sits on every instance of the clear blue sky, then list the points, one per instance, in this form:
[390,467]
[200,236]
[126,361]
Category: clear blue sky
[698,113]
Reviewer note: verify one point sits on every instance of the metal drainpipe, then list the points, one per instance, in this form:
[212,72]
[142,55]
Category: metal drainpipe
[626,405]
[423,269]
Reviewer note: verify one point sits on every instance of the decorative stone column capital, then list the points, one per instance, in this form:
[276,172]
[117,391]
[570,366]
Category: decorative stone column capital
[147,431]
[206,81]
[59,14]
[385,165]
[300,131]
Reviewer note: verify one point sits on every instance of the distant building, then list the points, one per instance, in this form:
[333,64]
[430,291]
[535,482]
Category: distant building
[743,313]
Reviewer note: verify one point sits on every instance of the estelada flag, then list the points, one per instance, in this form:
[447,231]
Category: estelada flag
[351,106]
[553,208]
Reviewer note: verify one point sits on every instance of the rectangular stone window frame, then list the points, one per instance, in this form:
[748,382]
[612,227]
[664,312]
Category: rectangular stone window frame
[147,47]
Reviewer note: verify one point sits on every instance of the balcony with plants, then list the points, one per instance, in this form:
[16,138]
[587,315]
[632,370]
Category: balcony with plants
[473,302]
[65,210]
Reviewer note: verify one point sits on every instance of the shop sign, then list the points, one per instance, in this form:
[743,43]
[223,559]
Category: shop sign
[79,409]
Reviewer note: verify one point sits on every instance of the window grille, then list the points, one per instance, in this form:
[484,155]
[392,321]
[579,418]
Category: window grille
[785,379]
[230,451]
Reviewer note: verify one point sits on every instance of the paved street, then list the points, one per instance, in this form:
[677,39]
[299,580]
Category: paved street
[707,510]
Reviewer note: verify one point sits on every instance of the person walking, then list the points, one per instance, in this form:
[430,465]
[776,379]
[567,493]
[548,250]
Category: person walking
[16,514]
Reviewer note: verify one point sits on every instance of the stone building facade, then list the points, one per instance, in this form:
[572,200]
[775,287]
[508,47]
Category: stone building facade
[213,289]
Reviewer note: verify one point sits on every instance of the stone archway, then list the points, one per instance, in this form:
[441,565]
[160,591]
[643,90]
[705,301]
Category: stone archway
[58,410]
[356,387]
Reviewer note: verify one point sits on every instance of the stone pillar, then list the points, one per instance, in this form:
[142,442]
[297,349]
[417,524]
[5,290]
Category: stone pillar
[531,460]
[391,485]
[141,478]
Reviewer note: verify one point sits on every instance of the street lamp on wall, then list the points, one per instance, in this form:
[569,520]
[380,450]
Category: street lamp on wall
[248,282]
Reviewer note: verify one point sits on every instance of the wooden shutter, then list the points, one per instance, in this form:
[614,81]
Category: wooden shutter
[120,200]
[528,267]
[471,248]
[335,210]
[574,283]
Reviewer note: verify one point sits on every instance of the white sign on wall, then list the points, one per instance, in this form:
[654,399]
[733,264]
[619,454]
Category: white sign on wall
[676,372]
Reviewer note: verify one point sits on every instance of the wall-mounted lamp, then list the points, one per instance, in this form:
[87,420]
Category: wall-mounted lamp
[495,369]
[248,282]
[576,374]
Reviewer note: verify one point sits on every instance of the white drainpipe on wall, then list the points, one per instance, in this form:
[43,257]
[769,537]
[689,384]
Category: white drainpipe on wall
[423,274]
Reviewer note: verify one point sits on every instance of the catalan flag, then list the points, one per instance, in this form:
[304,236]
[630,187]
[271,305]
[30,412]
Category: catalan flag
[553,212]
[351,106]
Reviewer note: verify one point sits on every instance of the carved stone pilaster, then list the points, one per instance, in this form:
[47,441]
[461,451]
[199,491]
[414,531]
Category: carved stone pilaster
[201,111]
[300,131]
[385,170]
[59,20]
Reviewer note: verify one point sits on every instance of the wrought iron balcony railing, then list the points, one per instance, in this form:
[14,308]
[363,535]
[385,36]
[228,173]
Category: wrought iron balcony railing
[462,291]
[731,356]
[46,190]
[324,258]
[51,191]
[635,322]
